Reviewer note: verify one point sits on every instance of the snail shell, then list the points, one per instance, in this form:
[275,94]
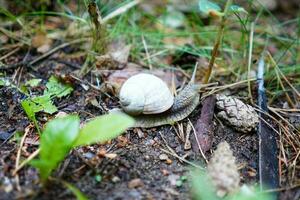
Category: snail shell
[145,94]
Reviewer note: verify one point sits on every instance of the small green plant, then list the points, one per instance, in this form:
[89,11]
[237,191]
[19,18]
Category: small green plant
[203,189]
[212,9]
[33,105]
[61,135]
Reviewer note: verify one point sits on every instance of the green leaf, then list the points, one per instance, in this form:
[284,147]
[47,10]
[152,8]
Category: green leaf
[209,8]
[44,102]
[79,195]
[98,178]
[55,143]
[33,82]
[237,9]
[37,104]
[4,82]
[249,193]
[172,18]
[202,187]
[54,87]
[103,128]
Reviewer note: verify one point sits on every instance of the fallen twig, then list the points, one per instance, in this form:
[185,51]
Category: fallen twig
[40,58]
[120,10]
[33,155]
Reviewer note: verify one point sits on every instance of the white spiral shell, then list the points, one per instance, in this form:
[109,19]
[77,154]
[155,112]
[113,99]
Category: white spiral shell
[145,93]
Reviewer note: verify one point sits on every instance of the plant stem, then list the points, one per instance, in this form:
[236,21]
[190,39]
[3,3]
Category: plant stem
[99,44]
[249,61]
[217,42]
[99,33]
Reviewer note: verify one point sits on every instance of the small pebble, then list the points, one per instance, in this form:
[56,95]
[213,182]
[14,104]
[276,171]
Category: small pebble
[147,157]
[115,179]
[169,161]
[140,133]
[165,172]
[163,157]
[134,183]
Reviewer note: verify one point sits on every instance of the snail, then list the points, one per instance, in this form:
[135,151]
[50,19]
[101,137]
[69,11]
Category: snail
[149,101]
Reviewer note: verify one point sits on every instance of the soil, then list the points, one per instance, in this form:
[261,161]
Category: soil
[137,172]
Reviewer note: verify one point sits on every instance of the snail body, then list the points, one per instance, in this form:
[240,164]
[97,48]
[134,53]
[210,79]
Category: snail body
[168,111]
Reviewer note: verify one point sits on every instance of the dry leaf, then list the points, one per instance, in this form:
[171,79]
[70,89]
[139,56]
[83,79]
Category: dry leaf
[118,77]
[41,42]
[119,51]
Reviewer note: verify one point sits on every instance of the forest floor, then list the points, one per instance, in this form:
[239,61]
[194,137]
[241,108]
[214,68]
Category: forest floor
[142,163]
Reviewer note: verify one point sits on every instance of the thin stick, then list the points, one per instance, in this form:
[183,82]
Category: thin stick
[33,155]
[198,143]
[47,54]
[182,159]
[10,53]
[52,51]
[283,76]
[21,145]
[13,36]
[147,53]
[121,10]
[224,87]
[249,61]
[284,109]
[282,189]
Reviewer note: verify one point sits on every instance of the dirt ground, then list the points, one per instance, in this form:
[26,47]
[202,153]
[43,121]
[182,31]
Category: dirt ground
[137,172]
[139,164]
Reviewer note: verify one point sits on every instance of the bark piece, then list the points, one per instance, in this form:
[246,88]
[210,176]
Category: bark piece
[204,125]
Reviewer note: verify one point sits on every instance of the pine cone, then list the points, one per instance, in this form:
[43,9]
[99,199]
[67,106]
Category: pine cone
[242,117]
[223,171]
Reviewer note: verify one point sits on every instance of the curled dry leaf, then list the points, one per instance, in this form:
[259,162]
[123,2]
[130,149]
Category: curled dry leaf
[41,42]
[242,117]
[118,77]
[119,51]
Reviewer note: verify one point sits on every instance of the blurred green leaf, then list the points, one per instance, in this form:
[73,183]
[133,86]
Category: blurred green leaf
[79,195]
[209,8]
[4,82]
[202,187]
[172,18]
[37,104]
[56,88]
[33,82]
[237,9]
[98,178]
[248,193]
[44,103]
[103,128]
[55,143]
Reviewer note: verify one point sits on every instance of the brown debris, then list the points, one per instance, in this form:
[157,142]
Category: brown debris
[118,77]
[204,125]
[135,183]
